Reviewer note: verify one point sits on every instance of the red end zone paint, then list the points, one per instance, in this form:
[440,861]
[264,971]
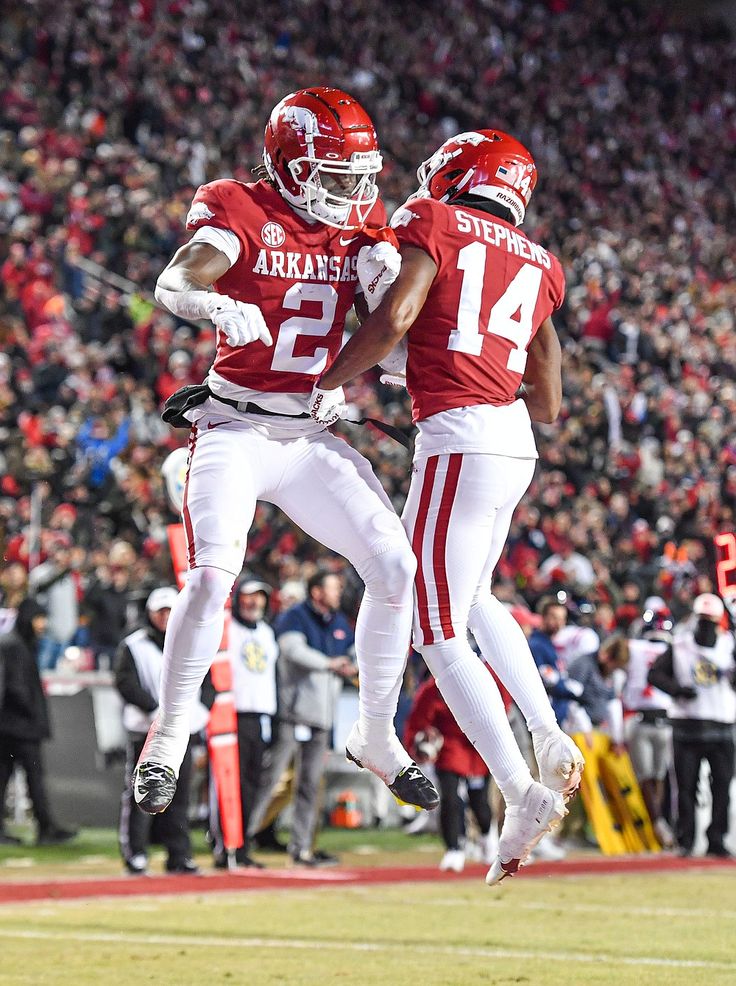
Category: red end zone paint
[283,879]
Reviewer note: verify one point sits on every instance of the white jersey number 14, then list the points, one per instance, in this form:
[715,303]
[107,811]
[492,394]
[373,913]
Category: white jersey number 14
[511,316]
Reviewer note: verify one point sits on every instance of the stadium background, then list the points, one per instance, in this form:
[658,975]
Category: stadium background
[112,114]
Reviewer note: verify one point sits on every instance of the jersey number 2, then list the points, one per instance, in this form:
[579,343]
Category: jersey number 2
[284,359]
[519,297]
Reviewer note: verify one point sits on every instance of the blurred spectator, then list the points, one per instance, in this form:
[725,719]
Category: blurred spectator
[698,671]
[24,721]
[315,640]
[107,603]
[55,585]
[138,664]
[552,668]
[598,706]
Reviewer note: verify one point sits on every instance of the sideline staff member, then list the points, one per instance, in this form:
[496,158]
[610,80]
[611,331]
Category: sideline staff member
[138,666]
[699,675]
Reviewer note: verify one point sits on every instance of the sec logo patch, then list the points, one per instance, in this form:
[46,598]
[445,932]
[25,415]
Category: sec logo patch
[273,234]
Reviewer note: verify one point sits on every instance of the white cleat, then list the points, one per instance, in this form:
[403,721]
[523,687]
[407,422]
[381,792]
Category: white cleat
[386,763]
[559,760]
[540,811]
[453,861]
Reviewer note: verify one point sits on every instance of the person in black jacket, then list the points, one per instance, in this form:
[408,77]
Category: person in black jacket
[24,720]
[138,665]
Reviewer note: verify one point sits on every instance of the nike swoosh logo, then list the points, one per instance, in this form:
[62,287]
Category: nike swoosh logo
[216,424]
[347,242]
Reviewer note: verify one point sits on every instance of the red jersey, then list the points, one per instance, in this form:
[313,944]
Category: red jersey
[457,753]
[302,276]
[494,288]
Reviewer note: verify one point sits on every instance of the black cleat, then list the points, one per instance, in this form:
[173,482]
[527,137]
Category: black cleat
[154,787]
[414,788]
[55,836]
[410,787]
[183,867]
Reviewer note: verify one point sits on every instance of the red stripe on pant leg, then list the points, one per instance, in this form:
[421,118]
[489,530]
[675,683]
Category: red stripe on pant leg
[186,516]
[416,544]
[439,549]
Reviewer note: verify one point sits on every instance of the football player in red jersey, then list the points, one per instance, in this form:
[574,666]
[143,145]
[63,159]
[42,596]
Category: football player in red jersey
[282,254]
[471,310]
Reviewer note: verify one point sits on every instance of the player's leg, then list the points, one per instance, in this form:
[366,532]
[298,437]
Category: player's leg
[451,512]
[505,648]
[331,492]
[219,504]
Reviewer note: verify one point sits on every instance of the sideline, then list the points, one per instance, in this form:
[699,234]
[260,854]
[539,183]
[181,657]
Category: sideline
[125,886]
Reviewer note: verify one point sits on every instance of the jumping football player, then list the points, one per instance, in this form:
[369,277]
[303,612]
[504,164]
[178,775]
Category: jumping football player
[472,306]
[282,254]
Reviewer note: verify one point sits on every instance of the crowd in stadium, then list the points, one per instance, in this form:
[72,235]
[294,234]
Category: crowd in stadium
[111,118]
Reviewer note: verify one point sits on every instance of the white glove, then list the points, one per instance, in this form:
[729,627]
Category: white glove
[394,362]
[378,268]
[393,379]
[241,323]
[326,406]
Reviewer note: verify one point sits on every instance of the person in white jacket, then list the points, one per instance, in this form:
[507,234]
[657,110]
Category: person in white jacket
[138,664]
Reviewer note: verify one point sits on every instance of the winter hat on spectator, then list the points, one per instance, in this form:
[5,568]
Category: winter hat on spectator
[162,598]
[709,605]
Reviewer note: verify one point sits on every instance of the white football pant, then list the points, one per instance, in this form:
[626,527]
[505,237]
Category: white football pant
[329,490]
[458,515]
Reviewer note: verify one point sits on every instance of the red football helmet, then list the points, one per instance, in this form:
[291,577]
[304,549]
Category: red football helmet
[487,163]
[321,152]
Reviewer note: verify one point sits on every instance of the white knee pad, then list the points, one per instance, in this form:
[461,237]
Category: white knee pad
[389,576]
[206,592]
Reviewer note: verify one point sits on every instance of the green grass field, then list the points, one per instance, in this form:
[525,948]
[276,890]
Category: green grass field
[627,930]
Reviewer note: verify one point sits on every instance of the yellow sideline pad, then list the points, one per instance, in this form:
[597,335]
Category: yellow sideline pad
[663,929]
[613,799]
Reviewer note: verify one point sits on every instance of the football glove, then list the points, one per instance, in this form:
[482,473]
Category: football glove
[240,323]
[326,406]
[378,268]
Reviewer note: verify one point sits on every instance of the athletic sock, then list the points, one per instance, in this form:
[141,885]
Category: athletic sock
[505,648]
[475,701]
[193,635]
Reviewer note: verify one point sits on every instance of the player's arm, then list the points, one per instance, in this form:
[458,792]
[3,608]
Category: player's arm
[182,288]
[194,267]
[388,324]
[542,383]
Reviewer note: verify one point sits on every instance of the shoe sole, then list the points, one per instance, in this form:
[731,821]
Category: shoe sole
[500,870]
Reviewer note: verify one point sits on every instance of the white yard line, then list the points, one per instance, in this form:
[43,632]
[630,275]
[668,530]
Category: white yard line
[530,905]
[282,944]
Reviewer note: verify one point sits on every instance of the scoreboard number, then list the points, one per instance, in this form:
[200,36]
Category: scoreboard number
[726,563]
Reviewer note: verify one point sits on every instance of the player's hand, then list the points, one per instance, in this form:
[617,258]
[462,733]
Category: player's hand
[239,322]
[378,268]
[326,406]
